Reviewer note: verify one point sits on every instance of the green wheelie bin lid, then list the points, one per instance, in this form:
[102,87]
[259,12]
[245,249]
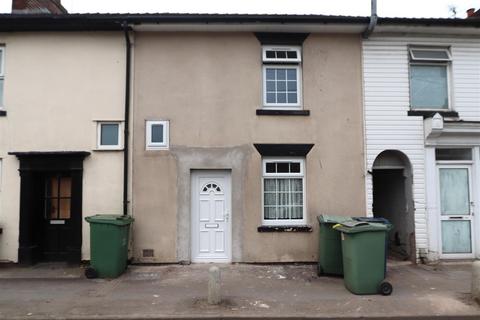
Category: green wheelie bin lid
[115,219]
[326,218]
[360,226]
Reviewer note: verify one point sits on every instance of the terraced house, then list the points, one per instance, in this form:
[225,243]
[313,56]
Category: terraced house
[243,135]
[422,124]
[62,87]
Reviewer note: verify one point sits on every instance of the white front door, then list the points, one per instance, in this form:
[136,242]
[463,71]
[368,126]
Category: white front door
[211,216]
[456,211]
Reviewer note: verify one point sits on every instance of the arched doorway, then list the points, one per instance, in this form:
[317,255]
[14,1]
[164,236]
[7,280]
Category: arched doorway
[393,199]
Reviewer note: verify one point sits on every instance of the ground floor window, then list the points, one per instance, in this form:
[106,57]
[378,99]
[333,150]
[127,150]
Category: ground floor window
[283,191]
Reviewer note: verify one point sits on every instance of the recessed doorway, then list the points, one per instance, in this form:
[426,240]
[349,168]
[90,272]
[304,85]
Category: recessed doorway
[50,206]
[393,200]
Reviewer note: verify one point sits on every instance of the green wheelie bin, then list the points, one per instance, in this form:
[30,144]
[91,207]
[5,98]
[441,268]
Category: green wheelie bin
[329,245]
[363,248]
[108,245]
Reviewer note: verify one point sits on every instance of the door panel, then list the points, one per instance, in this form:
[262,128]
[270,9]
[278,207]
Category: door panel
[456,236]
[211,223]
[454,191]
[219,241]
[455,197]
[58,225]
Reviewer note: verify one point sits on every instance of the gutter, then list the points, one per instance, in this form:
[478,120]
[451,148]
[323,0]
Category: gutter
[373,21]
[128,49]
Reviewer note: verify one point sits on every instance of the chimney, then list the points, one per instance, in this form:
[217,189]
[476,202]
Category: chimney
[38,7]
[470,12]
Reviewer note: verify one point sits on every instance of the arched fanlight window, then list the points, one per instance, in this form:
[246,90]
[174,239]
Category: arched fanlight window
[211,187]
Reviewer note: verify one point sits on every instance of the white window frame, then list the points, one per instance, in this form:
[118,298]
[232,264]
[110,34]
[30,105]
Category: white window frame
[449,86]
[149,145]
[286,63]
[2,76]
[283,106]
[99,136]
[302,175]
[456,161]
[413,58]
[413,61]
[297,49]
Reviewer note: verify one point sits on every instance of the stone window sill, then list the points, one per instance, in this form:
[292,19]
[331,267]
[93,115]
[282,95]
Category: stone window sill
[431,113]
[276,112]
[304,228]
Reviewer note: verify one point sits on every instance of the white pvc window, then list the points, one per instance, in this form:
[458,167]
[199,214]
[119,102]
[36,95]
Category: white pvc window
[429,78]
[429,54]
[157,135]
[109,135]
[281,54]
[2,74]
[281,86]
[282,77]
[283,181]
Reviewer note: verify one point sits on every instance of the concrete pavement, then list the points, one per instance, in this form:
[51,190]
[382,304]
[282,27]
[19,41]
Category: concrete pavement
[250,291]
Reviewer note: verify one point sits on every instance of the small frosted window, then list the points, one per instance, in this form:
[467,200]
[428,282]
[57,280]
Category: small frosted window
[157,133]
[109,134]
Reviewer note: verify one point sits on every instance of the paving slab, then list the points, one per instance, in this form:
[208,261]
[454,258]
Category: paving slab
[249,292]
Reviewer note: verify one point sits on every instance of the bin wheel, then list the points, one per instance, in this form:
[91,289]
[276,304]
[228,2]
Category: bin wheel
[385,288]
[91,273]
[320,271]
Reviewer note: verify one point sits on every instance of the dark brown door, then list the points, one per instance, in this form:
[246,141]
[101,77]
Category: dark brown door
[58,222]
[50,206]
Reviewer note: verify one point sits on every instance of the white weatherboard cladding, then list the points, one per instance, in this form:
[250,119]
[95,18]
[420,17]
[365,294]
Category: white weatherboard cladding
[386,103]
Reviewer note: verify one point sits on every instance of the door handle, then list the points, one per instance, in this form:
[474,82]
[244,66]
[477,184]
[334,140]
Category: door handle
[455,218]
[227,216]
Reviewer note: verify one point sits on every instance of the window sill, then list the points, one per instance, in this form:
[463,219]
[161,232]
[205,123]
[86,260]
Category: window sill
[3,113]
[302,228]
[431,113]
[103,150]
[157,148]
[277,112]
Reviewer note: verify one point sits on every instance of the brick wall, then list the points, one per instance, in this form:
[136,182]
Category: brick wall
[38,6]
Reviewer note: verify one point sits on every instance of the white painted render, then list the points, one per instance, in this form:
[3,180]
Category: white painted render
[57,85]
[387,125]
